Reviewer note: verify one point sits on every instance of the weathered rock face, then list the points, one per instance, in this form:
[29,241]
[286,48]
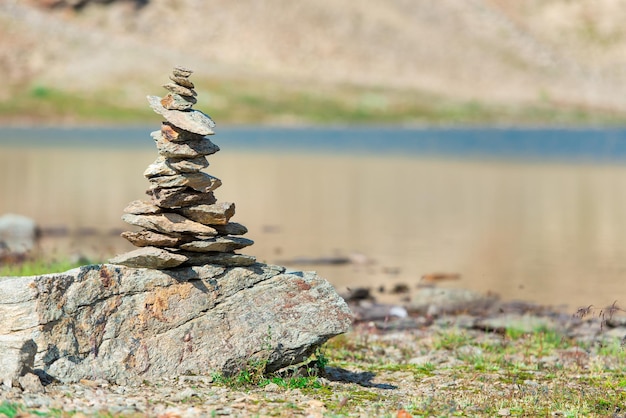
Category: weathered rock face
[17,359]
[129,324]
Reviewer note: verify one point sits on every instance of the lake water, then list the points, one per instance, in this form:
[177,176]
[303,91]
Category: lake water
[538,215]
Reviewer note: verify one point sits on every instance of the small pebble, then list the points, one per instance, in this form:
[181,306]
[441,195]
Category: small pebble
[272,387]
[184,394]
[504,412]
[182,81]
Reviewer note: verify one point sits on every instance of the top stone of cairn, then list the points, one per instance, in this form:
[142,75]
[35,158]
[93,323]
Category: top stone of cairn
[179,71]
[176,106]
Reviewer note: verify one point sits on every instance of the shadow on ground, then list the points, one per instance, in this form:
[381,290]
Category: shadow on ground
[337,374]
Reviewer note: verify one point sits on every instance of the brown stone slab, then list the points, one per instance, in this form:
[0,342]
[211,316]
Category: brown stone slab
[179,197]
[179,71]
[201,182]
[173,101]
[182,81]
[189,120]
[217,244]
[221,259]
[178,89]
[231,228]
[141,207]
[150,257]
[147,238]
[187,149]
[169,223]
[175,134]
[215,214]
[188,165]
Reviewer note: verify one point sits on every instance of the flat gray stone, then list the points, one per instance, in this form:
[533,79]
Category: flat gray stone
[178,89]
[141,207]
[159,168]
[173,101]
[188,165]
[215,214]
[218,244]
[147,238]
[221,259]
[183,81]
[169,223]
[190,120]
[174,134]
[231,228]
[131,325]
[163,166]
[30,383]
[149,257]
[179,71]
[187,149]
[180,197]
[201,182]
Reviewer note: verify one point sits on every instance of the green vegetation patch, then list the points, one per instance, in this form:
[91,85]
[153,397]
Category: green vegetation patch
[273,101]
[49,105]
[38,266]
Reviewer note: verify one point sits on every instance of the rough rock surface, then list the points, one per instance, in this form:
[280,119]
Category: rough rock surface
[178,197]
[168,222]
[128,324]
[188,149]
[221,244]
[17,351]
[148,238]
[216,214]
[156,257]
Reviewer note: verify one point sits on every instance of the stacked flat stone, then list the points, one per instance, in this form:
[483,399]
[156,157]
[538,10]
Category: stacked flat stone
[183,223]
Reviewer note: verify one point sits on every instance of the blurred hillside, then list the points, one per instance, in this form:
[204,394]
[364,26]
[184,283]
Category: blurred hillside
[283,61]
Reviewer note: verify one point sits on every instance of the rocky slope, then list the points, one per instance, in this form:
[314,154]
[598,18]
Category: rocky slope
[491,51]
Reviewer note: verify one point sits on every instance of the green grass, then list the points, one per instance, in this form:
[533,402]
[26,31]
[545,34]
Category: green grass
[246,101]
[507,374]
[49,105]
[9,409]
[38,266]
[304,376]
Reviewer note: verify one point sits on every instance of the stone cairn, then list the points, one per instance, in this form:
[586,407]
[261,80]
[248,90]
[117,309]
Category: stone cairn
[182,224]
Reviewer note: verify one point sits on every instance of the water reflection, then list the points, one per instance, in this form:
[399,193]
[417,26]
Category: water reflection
[547,232]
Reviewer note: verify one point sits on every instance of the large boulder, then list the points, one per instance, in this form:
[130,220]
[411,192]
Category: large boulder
[128,324]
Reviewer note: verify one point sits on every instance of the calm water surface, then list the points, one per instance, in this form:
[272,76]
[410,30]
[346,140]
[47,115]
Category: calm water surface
[534,215]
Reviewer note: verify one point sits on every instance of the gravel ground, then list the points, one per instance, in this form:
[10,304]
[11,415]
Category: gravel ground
[414,365]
